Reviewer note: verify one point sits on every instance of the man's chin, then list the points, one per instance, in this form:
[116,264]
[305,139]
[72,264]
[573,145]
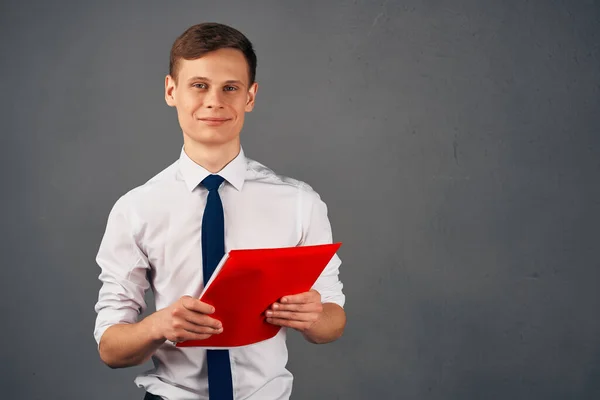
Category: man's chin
[211,137]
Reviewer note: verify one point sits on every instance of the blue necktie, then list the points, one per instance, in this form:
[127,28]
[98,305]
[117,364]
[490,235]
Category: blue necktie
[220,386]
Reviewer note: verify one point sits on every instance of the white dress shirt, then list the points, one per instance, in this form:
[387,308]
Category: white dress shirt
[152,240]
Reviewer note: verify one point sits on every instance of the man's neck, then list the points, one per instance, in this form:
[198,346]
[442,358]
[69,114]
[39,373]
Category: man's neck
[212,158]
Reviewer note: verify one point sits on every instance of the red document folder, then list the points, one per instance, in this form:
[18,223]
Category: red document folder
[247,282]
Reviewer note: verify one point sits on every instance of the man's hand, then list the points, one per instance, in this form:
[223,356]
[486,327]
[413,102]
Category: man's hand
[125,345]
[299,311]
[186,319]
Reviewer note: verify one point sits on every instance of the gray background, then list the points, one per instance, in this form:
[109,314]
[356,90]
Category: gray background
[456,144]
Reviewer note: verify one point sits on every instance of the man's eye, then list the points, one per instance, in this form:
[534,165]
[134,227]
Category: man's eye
[199,85]
[230,88]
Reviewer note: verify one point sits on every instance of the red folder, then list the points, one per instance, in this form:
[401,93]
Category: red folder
[247,282]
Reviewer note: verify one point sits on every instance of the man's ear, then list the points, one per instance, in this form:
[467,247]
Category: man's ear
[251,97]
[169,90]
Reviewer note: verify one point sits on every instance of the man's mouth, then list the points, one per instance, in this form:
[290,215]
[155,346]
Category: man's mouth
[212,121]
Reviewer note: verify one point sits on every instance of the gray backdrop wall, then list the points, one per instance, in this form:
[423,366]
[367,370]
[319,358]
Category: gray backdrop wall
[456,144]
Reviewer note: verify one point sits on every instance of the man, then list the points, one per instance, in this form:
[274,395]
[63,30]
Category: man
[170,232]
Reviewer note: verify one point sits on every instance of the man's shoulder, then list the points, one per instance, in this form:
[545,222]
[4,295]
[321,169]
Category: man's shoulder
[260,173]
[160,184]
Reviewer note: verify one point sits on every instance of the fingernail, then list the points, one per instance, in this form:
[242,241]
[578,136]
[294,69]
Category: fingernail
[284,300]
[269,313]
[275,306]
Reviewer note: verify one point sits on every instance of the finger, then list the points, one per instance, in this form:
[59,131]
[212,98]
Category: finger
[289,324]
[292,316]
[194,317]
[182,336]
[196,305]
[202,320]
[181,325]
[306,297]
[306,307]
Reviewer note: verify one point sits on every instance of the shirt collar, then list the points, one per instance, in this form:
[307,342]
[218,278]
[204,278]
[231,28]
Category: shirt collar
[193,174]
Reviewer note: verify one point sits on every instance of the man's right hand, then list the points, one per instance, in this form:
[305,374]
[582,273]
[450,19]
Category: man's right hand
[186,319]
[125,345]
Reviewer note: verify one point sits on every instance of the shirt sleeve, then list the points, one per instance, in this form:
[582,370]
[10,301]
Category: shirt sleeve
[316,229]
[124,268]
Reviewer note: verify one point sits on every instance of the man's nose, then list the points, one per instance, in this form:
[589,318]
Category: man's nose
[214,98]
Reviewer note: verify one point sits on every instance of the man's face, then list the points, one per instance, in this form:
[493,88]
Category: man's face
[211,96]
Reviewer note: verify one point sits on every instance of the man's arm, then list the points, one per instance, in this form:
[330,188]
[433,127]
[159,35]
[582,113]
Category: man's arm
[329,326]
[317,314]
[122,341]
[126,345]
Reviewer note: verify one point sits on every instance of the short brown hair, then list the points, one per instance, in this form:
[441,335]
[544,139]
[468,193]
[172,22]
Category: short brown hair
[200,39]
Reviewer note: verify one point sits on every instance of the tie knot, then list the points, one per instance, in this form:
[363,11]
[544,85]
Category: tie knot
[212,182]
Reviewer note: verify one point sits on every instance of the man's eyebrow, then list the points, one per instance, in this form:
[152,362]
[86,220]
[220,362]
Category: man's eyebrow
[203,78]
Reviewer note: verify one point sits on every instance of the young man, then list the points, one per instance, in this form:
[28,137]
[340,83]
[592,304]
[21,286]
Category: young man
[169,233]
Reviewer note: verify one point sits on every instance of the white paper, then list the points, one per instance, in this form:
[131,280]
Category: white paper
[215,273]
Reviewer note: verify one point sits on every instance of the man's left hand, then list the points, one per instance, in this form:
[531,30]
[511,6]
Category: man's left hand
[298,311]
